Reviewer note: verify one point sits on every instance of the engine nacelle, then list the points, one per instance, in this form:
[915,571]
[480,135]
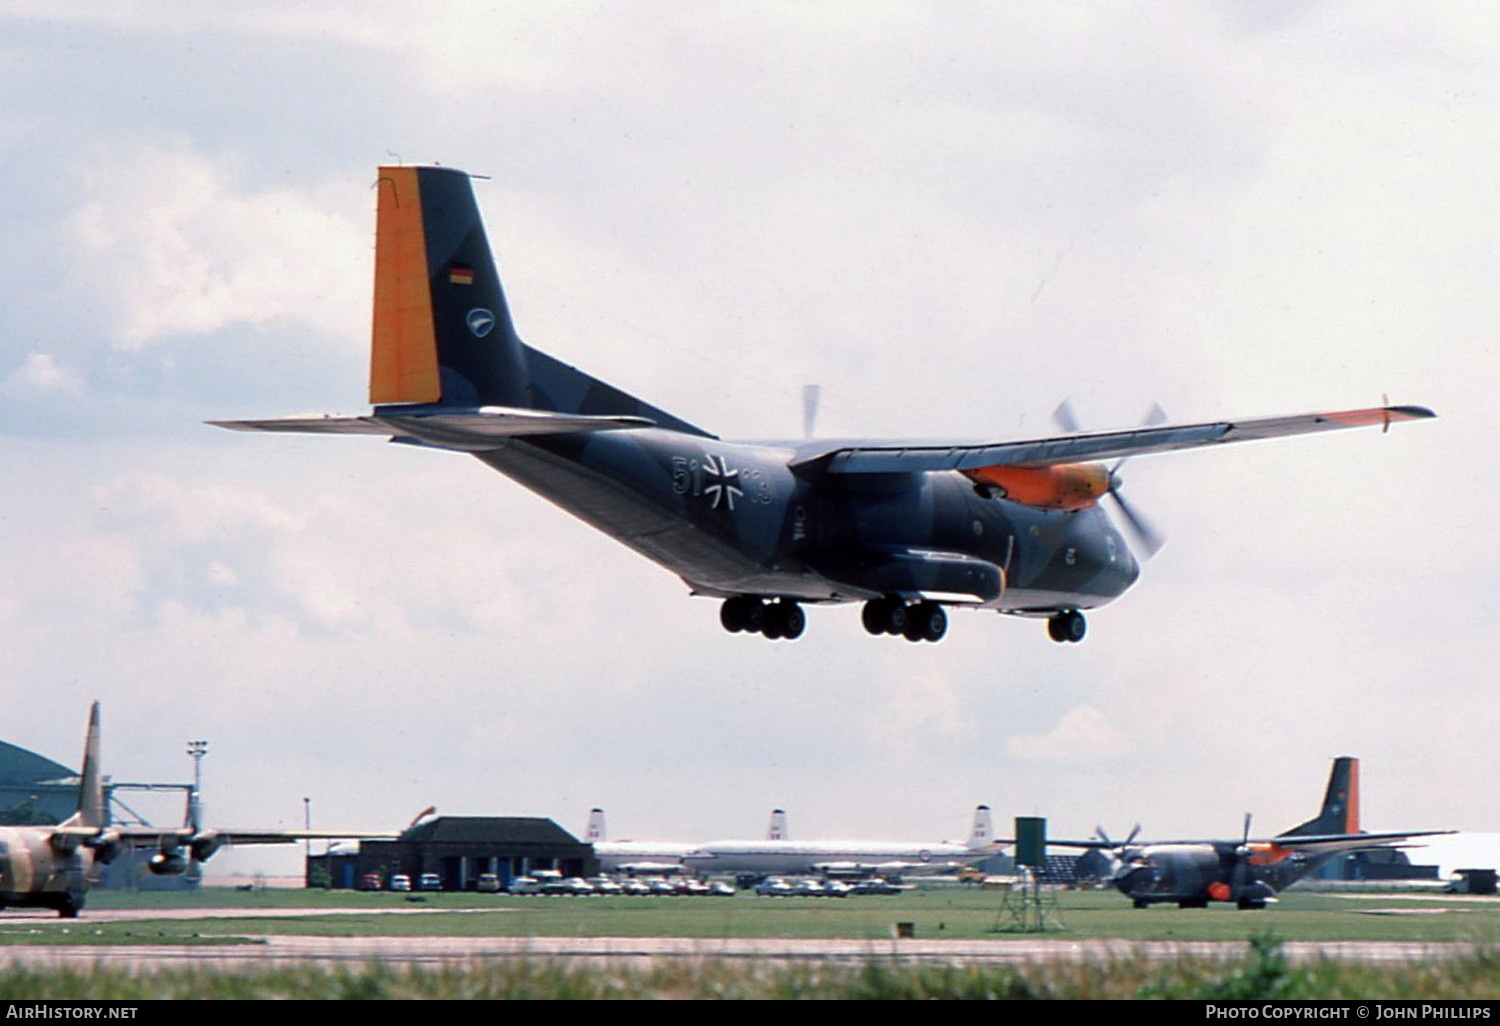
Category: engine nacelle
[168,863]
[106,847]
[1069,486]
[204,844]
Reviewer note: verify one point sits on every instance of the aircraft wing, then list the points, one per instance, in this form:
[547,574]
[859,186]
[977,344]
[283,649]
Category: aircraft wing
[1290,842]
[475,430]
[1346,842]
[922,457]
[140,836]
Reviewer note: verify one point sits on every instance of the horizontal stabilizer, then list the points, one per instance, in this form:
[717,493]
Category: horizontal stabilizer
[474,430]
[920,457]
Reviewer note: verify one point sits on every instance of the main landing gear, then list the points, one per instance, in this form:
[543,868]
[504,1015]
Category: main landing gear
[920,621]
[782,618]
[1068,625]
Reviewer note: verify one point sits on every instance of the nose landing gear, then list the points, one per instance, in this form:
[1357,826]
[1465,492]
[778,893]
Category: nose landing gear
[1067,626]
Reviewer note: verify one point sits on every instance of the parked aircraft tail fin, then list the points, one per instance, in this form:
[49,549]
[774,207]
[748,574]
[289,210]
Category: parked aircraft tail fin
[1340,812]
[777,829]
[982,833]
[90,781]
[442,334]
[595,830]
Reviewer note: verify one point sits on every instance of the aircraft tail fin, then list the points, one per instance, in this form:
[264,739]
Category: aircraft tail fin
[1340,812]
[776,831]
[91,781]
[442,334]
[982,833]
[595,829]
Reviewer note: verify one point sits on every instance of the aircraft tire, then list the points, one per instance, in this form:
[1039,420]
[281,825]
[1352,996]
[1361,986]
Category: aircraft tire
[934,621]
[755,615]
[897,615]
[732,614]
[793,620]
[873,616]
[1069,627]
[1075,626]
[69,905]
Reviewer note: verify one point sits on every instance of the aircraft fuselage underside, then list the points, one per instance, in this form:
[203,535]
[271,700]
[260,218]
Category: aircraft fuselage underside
[737,521]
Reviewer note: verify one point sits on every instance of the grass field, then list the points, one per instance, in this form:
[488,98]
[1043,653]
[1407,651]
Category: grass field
[959,914]
[1260,971]
[1261,975]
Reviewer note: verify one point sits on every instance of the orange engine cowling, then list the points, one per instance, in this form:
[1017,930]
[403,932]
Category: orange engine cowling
[1069,486]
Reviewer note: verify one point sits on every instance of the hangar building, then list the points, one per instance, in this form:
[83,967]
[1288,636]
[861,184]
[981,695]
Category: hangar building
[458,849]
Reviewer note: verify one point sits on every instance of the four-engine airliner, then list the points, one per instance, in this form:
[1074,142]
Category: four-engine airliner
[908,528]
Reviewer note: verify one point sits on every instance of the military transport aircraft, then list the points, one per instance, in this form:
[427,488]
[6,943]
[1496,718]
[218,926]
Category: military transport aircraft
[906,527]
[1247,872]
[50,866]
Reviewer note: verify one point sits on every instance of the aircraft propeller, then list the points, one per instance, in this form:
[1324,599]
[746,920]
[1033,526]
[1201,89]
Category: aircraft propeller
[810,397]
[1149,538]
[1099,830]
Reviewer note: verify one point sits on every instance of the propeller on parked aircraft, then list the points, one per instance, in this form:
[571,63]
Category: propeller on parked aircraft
[1099,830]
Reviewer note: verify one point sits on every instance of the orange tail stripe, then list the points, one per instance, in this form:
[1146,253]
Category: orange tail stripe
[403,345]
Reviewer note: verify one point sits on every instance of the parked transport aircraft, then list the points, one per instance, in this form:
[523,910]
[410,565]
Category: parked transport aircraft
[909,528]
[646,858]
[51,866]
[851,858]
[1249,872]
[637,858]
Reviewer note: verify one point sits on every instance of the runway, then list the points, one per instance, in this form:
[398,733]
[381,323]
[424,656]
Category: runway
[262,950]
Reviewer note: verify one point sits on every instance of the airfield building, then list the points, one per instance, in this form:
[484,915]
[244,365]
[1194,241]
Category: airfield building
[459,849]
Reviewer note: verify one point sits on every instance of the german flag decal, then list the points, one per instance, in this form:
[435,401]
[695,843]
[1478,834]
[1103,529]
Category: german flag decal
[460,274]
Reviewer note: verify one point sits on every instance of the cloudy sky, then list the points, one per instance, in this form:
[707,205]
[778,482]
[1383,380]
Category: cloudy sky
[950,215]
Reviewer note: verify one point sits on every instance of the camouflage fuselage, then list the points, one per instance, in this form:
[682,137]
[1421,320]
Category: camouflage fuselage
[1192,872]
[35,874]
[770,519]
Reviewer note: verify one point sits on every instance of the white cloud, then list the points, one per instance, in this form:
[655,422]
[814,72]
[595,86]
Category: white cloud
[1084,735]
[174,243]
[42,371]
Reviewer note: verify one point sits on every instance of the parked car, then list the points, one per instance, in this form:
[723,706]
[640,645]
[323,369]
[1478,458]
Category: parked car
[400,882]
[430,882]
[488,883]
[525,885]
[874,887]
[371,882]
